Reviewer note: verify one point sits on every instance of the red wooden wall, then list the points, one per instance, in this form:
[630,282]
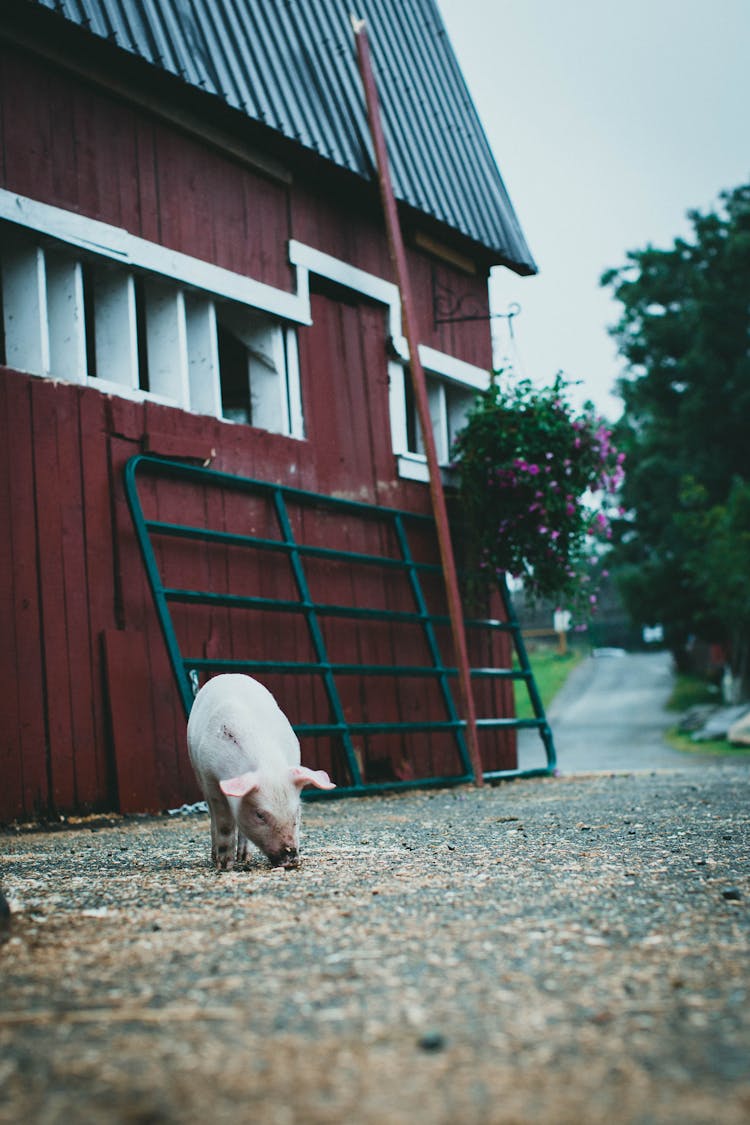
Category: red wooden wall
[90,717]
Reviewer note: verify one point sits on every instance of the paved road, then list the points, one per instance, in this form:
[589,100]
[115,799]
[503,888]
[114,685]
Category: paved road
[611,715]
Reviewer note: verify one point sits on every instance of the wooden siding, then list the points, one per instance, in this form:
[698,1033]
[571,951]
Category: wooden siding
[91,717]
[71,145]
[93,720]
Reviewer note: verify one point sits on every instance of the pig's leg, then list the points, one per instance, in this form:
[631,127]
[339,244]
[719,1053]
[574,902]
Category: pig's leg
[223,834]
[243,848]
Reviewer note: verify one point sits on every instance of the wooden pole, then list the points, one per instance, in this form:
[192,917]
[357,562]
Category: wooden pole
[398,258]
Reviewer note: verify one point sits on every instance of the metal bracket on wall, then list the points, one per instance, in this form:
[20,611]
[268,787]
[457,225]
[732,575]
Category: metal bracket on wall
[188,668]
[449,307]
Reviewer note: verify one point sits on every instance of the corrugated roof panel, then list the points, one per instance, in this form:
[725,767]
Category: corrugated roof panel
[291,64]
[330,104]
[259,87]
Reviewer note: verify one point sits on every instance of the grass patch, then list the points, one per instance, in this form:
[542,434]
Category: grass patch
[712,746]
[692,691]
[551,670]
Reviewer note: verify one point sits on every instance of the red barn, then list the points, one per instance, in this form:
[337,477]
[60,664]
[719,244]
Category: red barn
[195,268]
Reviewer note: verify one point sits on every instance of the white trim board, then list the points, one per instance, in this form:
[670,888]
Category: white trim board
[119,245]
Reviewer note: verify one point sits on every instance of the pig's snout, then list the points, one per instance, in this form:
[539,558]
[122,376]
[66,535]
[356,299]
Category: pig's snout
[285,857]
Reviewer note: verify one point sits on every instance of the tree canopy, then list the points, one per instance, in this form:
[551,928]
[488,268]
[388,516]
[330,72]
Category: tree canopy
[684,333]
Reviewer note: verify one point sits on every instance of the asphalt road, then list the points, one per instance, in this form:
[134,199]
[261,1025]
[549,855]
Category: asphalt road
[611,715]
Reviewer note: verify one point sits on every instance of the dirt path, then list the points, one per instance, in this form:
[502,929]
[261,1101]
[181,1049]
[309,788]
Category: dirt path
[558,951]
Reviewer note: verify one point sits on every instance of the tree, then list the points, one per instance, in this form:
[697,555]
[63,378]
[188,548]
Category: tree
[718,558]
[684,333]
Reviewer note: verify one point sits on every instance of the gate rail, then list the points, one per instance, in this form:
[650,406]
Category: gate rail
[187,667]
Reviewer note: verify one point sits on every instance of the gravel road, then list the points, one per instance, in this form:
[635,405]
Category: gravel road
[568,950]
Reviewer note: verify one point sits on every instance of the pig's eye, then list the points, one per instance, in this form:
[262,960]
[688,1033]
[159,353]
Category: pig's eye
[261,816]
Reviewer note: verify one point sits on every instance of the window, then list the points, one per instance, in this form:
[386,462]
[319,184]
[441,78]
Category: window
[77,316]
[254,357]
[452,387]
[449,406]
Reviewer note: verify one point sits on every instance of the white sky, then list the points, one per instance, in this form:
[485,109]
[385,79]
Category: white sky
[609,120]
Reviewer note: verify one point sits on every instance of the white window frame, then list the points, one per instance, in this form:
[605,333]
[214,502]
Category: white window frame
[54,262]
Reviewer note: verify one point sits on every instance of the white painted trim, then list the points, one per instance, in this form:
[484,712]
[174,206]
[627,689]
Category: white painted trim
[25,307]
[116,332]
[397,407]
[65,318]
[203,355]
[386,293]
[119,245]
[456,370]
[166,336]
[413,466]
[350,277]
[294,386]
[135,394]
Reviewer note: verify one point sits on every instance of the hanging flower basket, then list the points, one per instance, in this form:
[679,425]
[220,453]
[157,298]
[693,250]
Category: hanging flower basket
[532,474]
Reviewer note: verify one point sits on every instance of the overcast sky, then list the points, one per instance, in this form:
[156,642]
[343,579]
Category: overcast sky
[609,121]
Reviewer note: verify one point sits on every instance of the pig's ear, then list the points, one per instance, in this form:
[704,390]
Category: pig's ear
[240,786]
[302,776]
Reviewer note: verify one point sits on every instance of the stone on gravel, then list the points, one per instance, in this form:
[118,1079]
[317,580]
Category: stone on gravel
[739,732]
[719,723]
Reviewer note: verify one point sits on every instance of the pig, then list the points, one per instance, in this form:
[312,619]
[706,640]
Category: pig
[247,761]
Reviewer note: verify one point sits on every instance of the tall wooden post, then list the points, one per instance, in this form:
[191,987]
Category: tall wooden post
[398,258]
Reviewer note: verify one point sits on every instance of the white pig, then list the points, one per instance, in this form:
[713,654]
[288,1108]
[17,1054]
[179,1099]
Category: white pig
[247,761]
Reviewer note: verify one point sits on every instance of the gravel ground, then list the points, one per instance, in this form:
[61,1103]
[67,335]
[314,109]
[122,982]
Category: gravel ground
[569,950]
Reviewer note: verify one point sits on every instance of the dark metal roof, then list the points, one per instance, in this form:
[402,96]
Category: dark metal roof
[291,64]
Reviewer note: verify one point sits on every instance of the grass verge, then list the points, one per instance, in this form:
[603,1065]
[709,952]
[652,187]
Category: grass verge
[551,670]
[692,691]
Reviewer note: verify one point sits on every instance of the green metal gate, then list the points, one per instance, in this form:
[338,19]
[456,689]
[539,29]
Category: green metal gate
[187,668]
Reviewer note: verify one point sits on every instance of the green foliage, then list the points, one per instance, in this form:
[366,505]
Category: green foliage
[684,334]
[691,691]
[715,747]
[718,560]
[528,467]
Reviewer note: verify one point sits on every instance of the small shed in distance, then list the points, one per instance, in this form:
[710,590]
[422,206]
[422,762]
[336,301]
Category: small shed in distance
[195,266]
